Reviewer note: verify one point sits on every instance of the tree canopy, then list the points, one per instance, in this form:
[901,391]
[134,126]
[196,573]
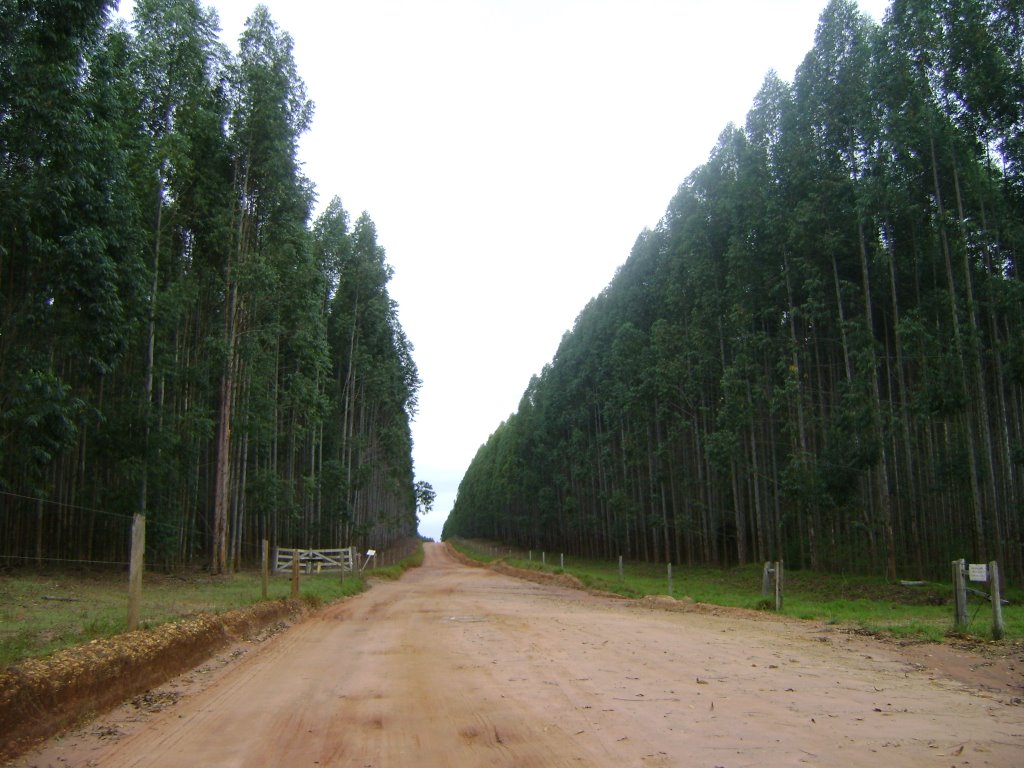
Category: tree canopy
[817,353]
[177,337]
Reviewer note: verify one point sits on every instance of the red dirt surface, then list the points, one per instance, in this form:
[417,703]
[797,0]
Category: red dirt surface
[462,666]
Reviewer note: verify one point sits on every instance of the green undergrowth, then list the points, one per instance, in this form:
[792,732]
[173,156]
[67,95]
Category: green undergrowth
[868,604]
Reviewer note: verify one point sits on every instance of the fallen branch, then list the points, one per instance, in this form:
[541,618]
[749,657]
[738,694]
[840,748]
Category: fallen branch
[616,698]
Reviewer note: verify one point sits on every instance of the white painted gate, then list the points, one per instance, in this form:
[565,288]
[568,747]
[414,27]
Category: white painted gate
[315,560]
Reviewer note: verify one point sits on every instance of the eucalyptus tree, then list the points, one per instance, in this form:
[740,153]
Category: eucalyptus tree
[70,286]
[970,135]
[269,112]
[813,354]
[183,175]
[373,387]
[836,98]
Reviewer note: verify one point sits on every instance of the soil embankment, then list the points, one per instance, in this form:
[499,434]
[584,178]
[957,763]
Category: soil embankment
[40,697]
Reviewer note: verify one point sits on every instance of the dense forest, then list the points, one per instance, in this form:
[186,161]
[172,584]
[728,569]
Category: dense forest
[818,353]
[178,337]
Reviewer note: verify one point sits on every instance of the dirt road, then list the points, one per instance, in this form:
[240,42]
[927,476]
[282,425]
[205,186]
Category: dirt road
[460,666]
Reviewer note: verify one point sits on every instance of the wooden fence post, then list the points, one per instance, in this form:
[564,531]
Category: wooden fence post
[265,569]
[959,596]
[135,568]
[778,585]
[295,574]
[996,595]
[621,576]
[670,590]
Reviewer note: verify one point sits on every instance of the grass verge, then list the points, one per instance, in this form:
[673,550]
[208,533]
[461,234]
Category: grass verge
[920,613]
[44,612]
[415,560]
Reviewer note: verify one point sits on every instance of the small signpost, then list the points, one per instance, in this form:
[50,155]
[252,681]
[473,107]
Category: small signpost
[370,553]
[977,573]
[773,572]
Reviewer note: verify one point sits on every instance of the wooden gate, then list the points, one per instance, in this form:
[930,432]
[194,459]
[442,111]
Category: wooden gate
[315,560]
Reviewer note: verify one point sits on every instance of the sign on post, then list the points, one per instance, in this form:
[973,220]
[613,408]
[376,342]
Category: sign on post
[370,553]
[983,573]
[772,572]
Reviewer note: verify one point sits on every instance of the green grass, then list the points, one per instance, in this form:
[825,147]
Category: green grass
[865,603]
[415,560]
[96,605]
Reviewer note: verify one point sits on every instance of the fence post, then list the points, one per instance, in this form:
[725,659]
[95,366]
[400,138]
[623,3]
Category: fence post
[670,591]
[265,569]
[959,596]
[621,577]
[561,561]
[766,578]
[295,574]
[135,567]
[778,585]
[998,628]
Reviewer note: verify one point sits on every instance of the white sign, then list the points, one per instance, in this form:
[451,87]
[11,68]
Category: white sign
[977,572]
[371,552]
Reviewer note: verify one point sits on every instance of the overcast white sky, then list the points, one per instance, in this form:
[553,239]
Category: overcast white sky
[510,152]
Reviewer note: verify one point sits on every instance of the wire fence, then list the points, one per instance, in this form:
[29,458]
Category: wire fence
[55,534]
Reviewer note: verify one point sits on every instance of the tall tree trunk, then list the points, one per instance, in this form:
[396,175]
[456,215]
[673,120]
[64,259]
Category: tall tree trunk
[972,458]
[147,384]
[981,390]
[881,485]
[222,496]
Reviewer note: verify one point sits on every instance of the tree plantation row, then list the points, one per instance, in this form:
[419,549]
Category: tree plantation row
[818,354]
[176,337]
